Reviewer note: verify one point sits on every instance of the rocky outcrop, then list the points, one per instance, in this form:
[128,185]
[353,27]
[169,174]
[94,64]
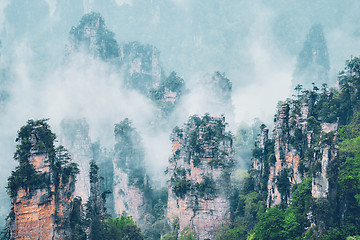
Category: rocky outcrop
[130,180]
[75,137]
[92,36]
[103,159]
[301,146]
[97,198]
[199,175]
[42,201]
[140,63]
[327,154]
[168,93]
[143,69]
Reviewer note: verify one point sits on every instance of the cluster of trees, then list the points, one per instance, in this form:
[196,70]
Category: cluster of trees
[92,35]
[37,137]
[91,223]
[175,233]
[304,217]
[203,145]
[120,228]
[129,156]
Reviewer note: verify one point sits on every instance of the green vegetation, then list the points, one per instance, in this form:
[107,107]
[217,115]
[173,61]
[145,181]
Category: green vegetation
[283,185]
[206,188]
[129,157]
[37,138]
[129,153]
[206,142]
[300,216]
[205,132]
[106,45]
[188,234]
[123,228]
[93,222]
[181,187]
[167,95]
[175,228]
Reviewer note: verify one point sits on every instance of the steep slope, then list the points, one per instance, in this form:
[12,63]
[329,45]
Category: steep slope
[199,175]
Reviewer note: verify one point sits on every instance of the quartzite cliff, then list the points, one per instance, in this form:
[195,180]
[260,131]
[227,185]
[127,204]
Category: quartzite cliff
[199,175]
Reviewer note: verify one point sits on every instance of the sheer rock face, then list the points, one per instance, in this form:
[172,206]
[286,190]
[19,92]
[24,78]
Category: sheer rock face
[130,178]
[129,199]
[77,140]
[76,137]
[138,63]
[41,213]
[199,175]
[97,198]
[143,70]
[91,35]
[327,153]
[303,147]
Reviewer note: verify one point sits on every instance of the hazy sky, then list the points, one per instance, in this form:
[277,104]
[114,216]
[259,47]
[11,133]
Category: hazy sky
[254,42]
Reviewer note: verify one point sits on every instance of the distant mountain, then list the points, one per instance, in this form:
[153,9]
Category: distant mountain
[312,64]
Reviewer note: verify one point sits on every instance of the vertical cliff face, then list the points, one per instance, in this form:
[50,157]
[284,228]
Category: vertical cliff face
[326,153]
[97,198]
[34,212]
[103,159]
[143,70]
[301,146]
[130,180]
[140,63]
[91,35]
[168,93]
[75,137]
[199,175]
[41,187]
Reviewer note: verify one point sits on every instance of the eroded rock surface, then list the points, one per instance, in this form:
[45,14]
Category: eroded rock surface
[199,175]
